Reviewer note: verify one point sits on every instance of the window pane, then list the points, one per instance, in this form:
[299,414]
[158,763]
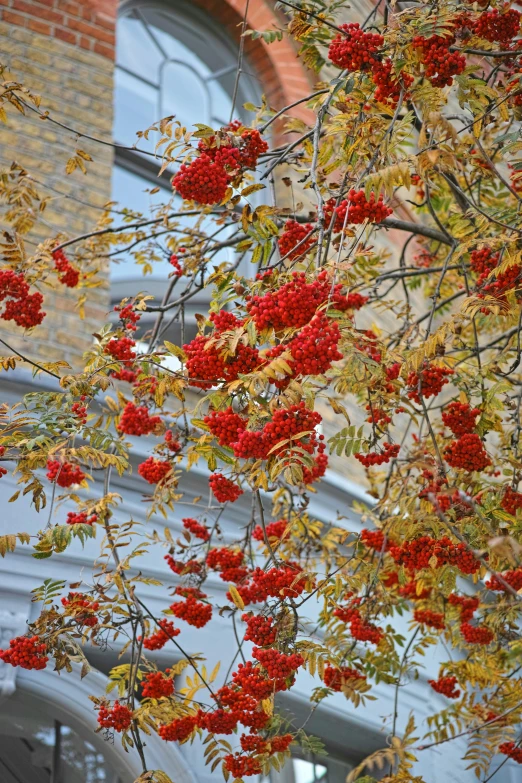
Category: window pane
[136,50]
[135,108]
[184,94]
[175,49]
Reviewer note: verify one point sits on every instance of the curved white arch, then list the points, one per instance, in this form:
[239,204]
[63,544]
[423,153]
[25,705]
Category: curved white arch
[68,696]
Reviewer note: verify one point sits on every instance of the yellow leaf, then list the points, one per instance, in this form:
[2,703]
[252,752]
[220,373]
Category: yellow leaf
[236,598]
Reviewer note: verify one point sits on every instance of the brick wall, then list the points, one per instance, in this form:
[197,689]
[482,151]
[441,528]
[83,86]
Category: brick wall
[76,86]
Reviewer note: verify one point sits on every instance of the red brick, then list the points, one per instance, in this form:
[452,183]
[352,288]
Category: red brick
[64,35]
[104,50]
[92,30]
[12,18]
[40,13]
[39,27]
[85,42]
[5,2]
[104,20]
[70,8]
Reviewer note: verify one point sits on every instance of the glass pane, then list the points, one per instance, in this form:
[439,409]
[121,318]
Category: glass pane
[136,50]
[135,109]
[183,93]
[303,771]
[177,50]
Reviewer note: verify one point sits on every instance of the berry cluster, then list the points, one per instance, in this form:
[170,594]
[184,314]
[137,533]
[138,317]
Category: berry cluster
[440,65]
[427,383]
[191,610]
[82,518]
[182,568]
[136,420]
[82,609]
[224,490]
[202,180]
[197,530]
[154,470]
[174,262]
[121,349]
[296,239]
[447,686]
[157,686]
[279,582]
[314,348]
[178,730]
[476,634]
[260,630]
[64,473]
[28,652]
[228,562]
[460,418]
[69,276]
[171,442]
[80,411]
[225,425]
[128,316]
[159,639]
[427,617]
[416,554]
[390,451]
[377,416]
[495,25]
[274,531]
[20,306]
[117,717]
[232,151]
[511,501]
[335,677]
[375,539]
[355,50]
[467,605]
[388,83]
[513,751]
[360,208]
[364,631]
[278,665]
[467,453]
[513,579]
[274,438]
[411,591]
[241,766]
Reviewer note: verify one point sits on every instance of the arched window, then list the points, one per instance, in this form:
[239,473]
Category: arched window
[171,59]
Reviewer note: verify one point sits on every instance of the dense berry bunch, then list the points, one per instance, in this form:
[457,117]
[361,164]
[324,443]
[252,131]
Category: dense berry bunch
[513,751]
[427,617]
[225,425]
[241,766]
[179,729]
[181,567]
[460,418]
[159,639]
[283,581]
[335,677]
[191,610]
[467,453]
[154,470]
[512,578]
[175,263]
[202,180]
[28,652]
[82,609]
[440,65]
[495,25]
[128,316]
[278,665]
[80,411]
[206,364]
[360,208]
[447,686]
[69,276]
[467,605]
[314,348]
[64,473]
[374,539]
[476,634]
[389,85]
[364,631]
[157,686]
[390,451]
[411,591]
[224,490]
[251,681]
[82,518]
[427,383]
[171,442]
[121,349]
[483,262]
[228,562]
[117,717]
[354,50]
[136,420]
[377,416]
[416,554]
[296,239]
[20,306]
[252,146]
[511,501]
[274,531]
[197,530]
[259,630]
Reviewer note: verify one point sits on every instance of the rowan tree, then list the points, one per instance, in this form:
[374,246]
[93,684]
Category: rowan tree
[414,126]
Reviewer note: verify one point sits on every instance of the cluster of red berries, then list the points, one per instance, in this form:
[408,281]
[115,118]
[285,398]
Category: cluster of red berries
[175,263]
[64,473]
[364,631]
[447,686]
[495,25]
[121,349]
[360,208]
[128,316]
[411,591]
[178,730]
[154,470]
[278,665]
[513,751]
[159,639]
[197,530]
[260,630]
[224,490]
[82,608]
[390,451]
[482,262]
[274,531]
[136,420]
[375,539]
[468,605]
[314,348]
[191,610]
[355,50]
[202,180]
[157,686]
[282,581]
[82,518]
[427,617]
[183,568]
[296,239]
[440,65]
[117,717]
[28,652]
[229,563]
[251,681]
[171,442]
[20,306]
[416,554]
[241,766]
[335,677]
[460,418]
[389,84]
[427,383]
[69,276]
[225,425]
[476,634]
[467,453]
[511,501]
[274,438]
[377,416]
[80,411]
[233,151]
[513,579]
